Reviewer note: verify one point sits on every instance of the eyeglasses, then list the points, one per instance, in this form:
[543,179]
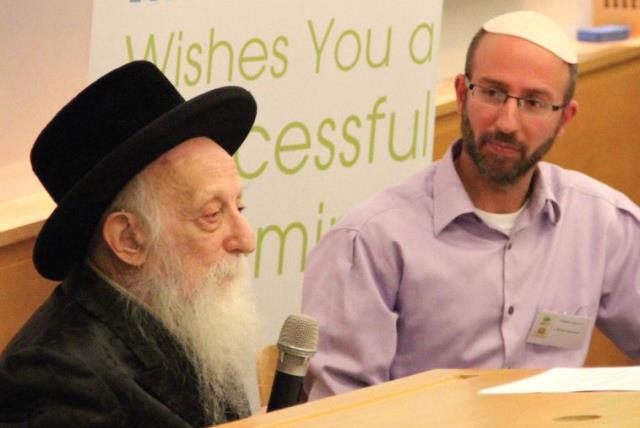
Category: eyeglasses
[497,97]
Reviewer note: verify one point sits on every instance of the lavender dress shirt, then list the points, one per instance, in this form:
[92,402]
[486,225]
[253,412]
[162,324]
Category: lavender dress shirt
[413,280]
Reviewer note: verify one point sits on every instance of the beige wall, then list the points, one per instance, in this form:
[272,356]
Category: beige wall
[44,51]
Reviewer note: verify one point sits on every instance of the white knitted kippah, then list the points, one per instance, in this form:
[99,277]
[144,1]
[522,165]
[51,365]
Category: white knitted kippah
[536,28]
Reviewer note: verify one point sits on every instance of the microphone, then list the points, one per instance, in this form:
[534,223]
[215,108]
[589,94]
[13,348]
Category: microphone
[296,345]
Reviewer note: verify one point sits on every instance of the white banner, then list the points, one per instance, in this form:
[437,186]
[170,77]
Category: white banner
[345,93]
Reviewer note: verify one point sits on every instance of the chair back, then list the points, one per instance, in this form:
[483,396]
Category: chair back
[266,367]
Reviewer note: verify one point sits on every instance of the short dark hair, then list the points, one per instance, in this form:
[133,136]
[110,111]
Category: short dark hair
[473,46]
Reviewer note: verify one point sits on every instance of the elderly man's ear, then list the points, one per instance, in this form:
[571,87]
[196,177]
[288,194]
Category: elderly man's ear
[124,234]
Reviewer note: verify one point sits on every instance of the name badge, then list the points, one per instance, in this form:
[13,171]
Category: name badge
[559,330]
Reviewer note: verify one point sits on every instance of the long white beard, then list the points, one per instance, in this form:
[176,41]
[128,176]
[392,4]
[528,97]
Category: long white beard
[216,323]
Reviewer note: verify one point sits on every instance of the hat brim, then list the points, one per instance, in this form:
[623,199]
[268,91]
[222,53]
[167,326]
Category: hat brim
[224,115]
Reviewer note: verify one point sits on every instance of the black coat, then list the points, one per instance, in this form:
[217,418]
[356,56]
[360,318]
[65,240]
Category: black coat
[78,362]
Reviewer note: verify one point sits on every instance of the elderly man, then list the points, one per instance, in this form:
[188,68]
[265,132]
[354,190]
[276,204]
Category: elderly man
[487,258]
[154,324]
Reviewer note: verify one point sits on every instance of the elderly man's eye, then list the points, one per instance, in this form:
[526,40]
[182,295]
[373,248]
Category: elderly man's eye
[211,217]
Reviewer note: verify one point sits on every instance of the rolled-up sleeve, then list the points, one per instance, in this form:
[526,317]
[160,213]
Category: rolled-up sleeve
[350,287]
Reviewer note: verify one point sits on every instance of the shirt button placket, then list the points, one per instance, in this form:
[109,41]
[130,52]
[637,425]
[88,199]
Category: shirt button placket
[506,322]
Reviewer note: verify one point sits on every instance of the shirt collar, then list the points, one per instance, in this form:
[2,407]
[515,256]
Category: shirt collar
[451,200]
[543,199]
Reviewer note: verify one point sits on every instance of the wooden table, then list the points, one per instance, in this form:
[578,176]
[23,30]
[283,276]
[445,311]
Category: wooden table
[449,399]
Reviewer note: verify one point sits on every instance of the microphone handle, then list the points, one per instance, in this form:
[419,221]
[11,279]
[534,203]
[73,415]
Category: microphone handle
[285,391]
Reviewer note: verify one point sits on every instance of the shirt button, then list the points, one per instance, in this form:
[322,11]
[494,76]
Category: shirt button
[510,310]
[509,246]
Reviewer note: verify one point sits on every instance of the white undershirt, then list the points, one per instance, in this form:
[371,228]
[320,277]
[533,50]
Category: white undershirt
[501,222]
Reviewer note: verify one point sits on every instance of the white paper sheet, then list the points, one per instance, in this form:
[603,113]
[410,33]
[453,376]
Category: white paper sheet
[574,380]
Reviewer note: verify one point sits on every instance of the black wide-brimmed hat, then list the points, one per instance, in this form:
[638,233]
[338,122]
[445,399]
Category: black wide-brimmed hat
[106,135]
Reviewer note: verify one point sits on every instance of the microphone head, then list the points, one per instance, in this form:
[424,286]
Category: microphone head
[296,345]
[299,335]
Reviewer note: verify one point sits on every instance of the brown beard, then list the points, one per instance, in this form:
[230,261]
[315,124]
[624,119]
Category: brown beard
[494,168]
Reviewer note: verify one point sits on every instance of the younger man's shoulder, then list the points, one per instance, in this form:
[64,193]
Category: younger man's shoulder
[566,183]
[392,202]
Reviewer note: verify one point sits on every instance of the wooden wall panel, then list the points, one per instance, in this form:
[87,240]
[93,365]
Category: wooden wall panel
[22,290]
[604,138]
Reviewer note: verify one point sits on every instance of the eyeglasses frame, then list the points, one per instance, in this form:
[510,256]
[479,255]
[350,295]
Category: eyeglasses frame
[519,100]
